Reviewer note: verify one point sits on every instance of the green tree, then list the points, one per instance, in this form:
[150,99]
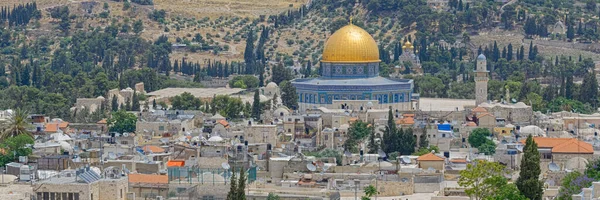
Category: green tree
[138,26]
[14,147]
[231,195]
[423,141]
[289,97]
[256,107]
[479,136]
[369,192]
[272,196]
[373,145]
[528,181]
[280,74]
[357,132]
[154,104]
[488,148]
[122,122]
[241,186]
[481,180]
[17,124]
[185,101]
[426,150]
[388,140]
[135,103]
[589,89]
[572,184]
[505,190]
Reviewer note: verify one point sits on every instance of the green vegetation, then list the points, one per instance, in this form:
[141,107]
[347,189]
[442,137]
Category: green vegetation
[528,181]
[244,82]
[479,139]
[485,180]
[17,124]
[369,192]
[426,150]
[13,147]
[122,122]
[185,101]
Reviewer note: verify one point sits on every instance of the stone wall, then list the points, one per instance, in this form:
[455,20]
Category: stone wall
[393,188]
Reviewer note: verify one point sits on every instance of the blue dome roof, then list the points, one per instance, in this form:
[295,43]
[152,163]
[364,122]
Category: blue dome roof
[481,57]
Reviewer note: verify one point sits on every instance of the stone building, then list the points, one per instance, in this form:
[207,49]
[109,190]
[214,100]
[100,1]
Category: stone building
[160,127]
[68,185]
[567,153]
[516,114]
[481,80]
[255,133]
[148,185]
[431,160]
[271,89]
[91,104]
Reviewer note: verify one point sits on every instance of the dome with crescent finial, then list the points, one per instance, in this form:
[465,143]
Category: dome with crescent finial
[407,45]
[351,44]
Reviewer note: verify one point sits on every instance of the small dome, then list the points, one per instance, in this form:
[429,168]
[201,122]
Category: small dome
[215,139]
[481,57]
[100,97]
[272,85]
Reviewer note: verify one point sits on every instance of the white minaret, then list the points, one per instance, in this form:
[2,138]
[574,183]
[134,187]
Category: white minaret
[481,80]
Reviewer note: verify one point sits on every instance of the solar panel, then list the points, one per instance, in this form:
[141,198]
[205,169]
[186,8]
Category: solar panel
[88,176]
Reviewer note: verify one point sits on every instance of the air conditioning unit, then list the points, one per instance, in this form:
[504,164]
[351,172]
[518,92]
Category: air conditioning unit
[159,198]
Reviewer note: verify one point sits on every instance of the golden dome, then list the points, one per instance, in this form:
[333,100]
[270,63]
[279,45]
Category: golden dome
[407,44]
[351,44]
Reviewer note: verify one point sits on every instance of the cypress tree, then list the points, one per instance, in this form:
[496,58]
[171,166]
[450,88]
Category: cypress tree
[153,103]
[241,186]
[135,104]
[128,104]
[495,52]
[231,195]
[115,103]
[569,86]
[423,141]
[308,71]
[509,52]
[528,182]
[256,110]
[388,144]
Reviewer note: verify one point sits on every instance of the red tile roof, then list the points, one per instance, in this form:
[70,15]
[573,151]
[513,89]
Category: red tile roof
[176,163]
[51,128]
[154,149]
[479,109]
[563,145]
[148,178]
[223,122]
[430,157]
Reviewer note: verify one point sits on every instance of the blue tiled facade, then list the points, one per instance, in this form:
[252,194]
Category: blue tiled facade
[352,81]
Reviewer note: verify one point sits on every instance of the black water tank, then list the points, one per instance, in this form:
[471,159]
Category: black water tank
[245,143]
[446,154]
[269,147]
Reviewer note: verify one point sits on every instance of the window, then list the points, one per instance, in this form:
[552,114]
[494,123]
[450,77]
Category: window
[121,193]
[92,196]
[443,135]
[161,128]
[124,142]
[289,130]
[546,155]
[326,137]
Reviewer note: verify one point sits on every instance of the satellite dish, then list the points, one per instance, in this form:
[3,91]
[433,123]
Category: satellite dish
[405,159]
[325,167]
[126,134]
[381,153]
[553,167]
[347,154]
[404,180]
[225,166]
[513,100]
[311,167]
[520,148]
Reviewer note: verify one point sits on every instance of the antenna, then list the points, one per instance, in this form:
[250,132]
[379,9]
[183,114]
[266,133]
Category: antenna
[311,167]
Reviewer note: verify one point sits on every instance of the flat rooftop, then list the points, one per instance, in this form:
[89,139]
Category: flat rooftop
[197,92]
[440,104]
